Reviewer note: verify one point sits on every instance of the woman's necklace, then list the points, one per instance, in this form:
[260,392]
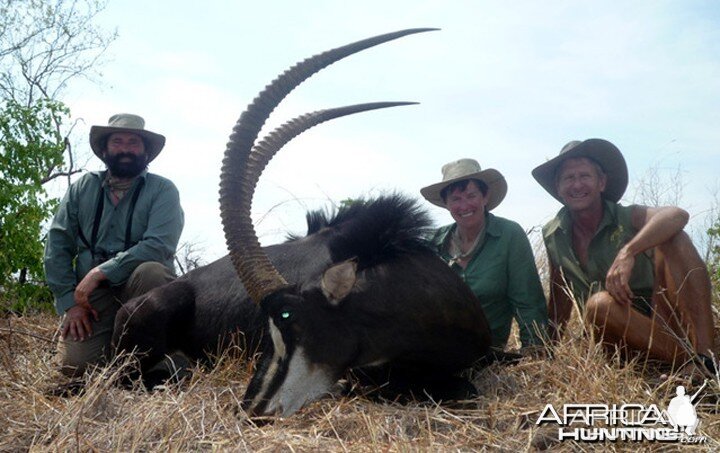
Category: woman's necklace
[455,248]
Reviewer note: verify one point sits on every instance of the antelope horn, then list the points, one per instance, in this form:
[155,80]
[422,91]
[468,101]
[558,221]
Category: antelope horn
[265,150]
[263,278]
[243,164]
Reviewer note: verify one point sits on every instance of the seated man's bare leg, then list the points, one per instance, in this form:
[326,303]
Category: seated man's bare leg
[683,292]
[622,326]
[682,321]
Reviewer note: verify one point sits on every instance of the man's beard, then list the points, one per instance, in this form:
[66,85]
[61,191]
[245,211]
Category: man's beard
[126,169]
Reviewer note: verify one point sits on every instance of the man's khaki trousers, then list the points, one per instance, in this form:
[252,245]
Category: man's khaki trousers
[77,356]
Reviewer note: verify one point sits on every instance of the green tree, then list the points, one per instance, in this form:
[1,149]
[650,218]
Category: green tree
[44,44]
[30,148]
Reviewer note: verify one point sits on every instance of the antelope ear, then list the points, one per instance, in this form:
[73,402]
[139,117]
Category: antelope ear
[338,280]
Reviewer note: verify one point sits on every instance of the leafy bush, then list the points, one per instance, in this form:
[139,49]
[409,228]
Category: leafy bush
[31,148]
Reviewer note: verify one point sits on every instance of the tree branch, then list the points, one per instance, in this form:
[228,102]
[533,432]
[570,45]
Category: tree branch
[59,174]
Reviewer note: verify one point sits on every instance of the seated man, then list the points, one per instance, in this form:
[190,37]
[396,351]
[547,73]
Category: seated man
[113,238]
[634,273]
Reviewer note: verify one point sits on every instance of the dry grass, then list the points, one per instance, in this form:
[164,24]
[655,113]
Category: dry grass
[204,414]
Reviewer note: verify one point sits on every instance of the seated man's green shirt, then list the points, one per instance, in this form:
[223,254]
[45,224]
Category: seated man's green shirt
[503,275]
[156,224]
[615,230]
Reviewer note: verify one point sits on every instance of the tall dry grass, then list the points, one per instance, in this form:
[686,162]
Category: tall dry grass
[203,413]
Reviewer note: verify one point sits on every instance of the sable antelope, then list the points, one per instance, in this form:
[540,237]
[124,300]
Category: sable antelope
[360,291]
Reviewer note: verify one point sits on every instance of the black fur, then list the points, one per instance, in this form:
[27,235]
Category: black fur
[407,307]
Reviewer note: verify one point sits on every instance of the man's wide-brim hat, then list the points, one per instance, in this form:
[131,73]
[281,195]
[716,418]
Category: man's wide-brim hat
[607,155]
[468,169]
[126,122]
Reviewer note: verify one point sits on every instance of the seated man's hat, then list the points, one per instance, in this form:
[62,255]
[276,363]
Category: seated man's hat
[126,122]
[607,155]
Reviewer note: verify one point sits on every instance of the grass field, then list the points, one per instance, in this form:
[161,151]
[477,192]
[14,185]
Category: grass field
[203,414]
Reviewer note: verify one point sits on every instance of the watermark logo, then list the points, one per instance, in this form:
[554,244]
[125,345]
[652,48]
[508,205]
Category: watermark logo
[628,422]
[681,411]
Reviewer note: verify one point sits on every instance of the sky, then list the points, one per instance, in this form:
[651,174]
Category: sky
[505,83]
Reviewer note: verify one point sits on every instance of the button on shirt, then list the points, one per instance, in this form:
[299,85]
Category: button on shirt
[157,222]
[503,275]
[615,230]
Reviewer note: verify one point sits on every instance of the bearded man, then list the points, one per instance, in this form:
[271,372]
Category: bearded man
[113,238]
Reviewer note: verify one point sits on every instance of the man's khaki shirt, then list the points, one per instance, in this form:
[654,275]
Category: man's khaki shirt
[615,230]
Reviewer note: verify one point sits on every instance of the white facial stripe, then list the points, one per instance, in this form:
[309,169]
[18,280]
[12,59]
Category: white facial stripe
[277,339]
[279,352]
[304,382]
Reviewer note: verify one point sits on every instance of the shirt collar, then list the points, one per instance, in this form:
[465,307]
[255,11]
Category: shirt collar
[492,227]
[563,221]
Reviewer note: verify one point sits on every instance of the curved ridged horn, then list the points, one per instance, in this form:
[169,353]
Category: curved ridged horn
[263,152]
[262,277]
[240,174]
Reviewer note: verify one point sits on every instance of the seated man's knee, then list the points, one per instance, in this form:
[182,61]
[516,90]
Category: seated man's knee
[678,266]
[598,307]
[679,247]
[152,270]
[147,276]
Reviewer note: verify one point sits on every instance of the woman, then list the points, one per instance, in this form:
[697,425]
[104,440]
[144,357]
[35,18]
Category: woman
[491,254]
